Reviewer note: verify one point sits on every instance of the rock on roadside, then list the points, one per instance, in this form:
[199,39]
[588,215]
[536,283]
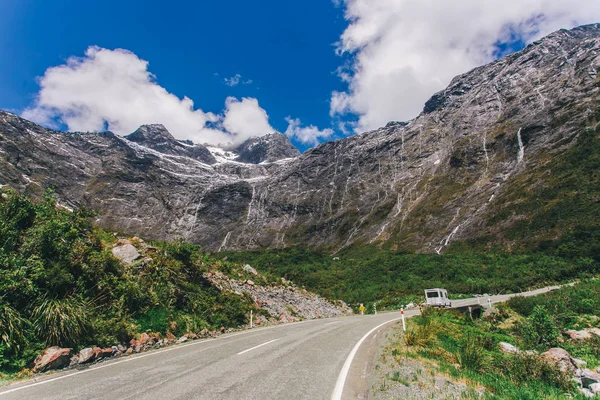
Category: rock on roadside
[52,358]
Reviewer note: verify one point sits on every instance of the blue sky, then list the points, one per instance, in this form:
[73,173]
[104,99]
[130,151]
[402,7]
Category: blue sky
[289,50]
[291,60]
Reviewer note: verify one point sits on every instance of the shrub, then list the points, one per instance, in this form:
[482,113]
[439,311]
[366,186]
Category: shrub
[421,336]
[471,354]
[12,327]
[539,330]
[524,368]
[61,322]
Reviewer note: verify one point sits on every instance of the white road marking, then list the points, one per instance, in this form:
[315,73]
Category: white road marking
[137,357]
[334,322]
[256,347]
[128,359]
[341,380]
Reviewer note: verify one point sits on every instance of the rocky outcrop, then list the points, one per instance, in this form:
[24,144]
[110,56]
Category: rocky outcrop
[52,358]
[157,137]
[269,148]
[416,186]
[286,303]
[562,358]
[584,334]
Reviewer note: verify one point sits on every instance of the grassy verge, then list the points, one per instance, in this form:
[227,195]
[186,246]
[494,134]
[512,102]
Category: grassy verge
[468,350]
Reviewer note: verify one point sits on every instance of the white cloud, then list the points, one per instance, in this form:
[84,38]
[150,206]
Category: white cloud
[114,88]
[245,118]
[236,80]
[310,135]
[405,50]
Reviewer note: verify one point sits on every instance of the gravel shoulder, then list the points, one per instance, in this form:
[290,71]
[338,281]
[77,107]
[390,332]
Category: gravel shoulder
[395,376]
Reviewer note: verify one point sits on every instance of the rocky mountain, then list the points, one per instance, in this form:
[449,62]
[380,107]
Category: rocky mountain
[158,138]
[268,148]
[471,167]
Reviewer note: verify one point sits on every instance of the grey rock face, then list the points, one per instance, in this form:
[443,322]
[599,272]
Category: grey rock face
[268,148]
[158,138]
[418,185]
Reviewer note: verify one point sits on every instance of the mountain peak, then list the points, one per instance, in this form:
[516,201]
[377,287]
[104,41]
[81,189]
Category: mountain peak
[150,133]
[268,148]
[157,137]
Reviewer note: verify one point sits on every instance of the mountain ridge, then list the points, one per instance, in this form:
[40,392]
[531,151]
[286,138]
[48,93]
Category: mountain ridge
[414,186]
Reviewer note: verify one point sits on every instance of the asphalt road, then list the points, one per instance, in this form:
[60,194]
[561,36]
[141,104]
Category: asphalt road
[318,359]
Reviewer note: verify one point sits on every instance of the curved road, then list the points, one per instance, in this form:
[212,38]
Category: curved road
[318,359]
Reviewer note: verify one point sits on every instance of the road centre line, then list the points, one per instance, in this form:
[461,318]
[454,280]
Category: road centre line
[256,347]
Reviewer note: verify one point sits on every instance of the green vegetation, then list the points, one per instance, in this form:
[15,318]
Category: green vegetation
[468,349]
[545,228]
[554,208]
[60,285]
[367,274]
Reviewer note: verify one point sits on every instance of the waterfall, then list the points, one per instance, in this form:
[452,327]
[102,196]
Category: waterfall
[521,153]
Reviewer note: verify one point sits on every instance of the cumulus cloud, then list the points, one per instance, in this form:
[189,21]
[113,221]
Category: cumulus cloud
[114,89]
[245,118]
[236,80]
[310,135]
[403,51]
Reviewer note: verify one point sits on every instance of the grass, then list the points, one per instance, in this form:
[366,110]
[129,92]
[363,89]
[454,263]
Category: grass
[467,349]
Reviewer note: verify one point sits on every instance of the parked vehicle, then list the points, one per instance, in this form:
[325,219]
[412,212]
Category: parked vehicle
[437,298]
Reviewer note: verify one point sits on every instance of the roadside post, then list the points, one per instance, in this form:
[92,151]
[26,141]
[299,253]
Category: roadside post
[403,321]
[361,309]
[489,302]
[251,319]
[375,308]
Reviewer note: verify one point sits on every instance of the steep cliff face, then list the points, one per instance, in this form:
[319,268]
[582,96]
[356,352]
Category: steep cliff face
[418,186]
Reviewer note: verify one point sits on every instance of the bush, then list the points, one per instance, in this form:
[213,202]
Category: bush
[471,354]
[60,285]
[61,322]
[421,336]
[12,328]
[524,368]
[539,330]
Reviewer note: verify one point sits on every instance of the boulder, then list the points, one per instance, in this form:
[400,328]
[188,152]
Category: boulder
[595,388]
[579,335]
[145,338]
[135,345]
[88,355]
[182,339]
[594,331]
[107,352]
[508,348]
[589,377]
[121,348]
[74,360]
[249,282]
[52,358]
[129,351]
[562,358]
[248,268]
[127,253]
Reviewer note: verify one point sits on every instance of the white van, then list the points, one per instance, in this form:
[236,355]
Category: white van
[437,298]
